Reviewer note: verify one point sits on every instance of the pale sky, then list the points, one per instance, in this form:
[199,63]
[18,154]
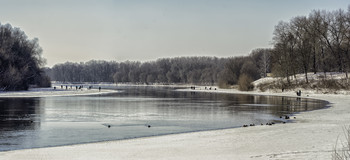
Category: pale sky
[144,30]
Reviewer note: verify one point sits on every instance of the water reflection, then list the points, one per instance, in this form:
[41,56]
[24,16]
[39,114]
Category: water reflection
[53,121]
[14,116]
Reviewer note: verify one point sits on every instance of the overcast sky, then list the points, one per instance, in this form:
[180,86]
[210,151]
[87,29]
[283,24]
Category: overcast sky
[143,30]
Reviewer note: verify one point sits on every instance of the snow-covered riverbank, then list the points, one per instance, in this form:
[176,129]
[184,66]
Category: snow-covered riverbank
[312,136]
[51,92]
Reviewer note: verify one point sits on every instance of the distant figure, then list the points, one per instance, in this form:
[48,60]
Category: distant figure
[215,89]
[54,88]
[66,87]
[76,87]
[61,87]
[99,89]
[299,93]
[79,87]
[149,126]
[282,89]
[90,87]
[205,88]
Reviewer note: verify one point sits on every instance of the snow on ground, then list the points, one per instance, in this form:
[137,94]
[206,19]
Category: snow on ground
[312,136]
[50,92]
[301,77]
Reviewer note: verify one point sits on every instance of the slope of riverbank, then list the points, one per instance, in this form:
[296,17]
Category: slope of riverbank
[312,136]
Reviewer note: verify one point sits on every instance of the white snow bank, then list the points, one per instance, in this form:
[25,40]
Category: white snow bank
[312,136]
[314,82]
[51,92]
[301,77]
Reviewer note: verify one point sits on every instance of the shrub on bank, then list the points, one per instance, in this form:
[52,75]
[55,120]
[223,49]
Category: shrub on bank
[245,83]
[344,152]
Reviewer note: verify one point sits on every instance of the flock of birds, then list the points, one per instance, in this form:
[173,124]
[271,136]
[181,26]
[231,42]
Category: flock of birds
[270,123]
[246,125]
[147,125]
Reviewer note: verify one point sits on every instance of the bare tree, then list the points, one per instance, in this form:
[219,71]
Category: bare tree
[300,32]
[284,57]
[262,57]
[20,60]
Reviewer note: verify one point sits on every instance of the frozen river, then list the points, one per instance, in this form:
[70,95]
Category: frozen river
[134,112]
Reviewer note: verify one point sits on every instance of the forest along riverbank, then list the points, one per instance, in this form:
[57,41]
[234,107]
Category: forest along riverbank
[312,136]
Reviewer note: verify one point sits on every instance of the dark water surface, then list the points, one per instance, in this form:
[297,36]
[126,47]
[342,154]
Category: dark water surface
[55,121]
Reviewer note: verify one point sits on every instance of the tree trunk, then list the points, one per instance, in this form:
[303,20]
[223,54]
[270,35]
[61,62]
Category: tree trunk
[346,75]
[307,80]
[287,75]
[314,65]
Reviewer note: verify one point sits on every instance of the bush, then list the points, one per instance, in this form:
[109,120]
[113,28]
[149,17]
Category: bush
[222,84]
[245,83]
[332,84]
[276,85]
[44,81]
[344,152]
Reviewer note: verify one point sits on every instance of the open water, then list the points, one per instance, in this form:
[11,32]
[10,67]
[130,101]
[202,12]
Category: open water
[135,112]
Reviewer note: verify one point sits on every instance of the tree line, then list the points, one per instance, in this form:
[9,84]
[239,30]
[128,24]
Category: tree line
[92,71]
[167,70]
[20,60]
[319,42]
[190,70]
[245,69]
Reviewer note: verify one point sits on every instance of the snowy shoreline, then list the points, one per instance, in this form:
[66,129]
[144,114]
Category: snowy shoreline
[51,92]
[312,136]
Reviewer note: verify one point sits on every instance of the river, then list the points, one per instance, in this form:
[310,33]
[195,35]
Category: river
[135,112]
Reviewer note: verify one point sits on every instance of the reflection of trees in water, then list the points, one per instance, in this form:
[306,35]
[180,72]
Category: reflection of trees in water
[271,104]
[234,103]
[19,114]
[219,102]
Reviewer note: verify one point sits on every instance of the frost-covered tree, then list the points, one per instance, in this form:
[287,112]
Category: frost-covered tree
[20,60]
